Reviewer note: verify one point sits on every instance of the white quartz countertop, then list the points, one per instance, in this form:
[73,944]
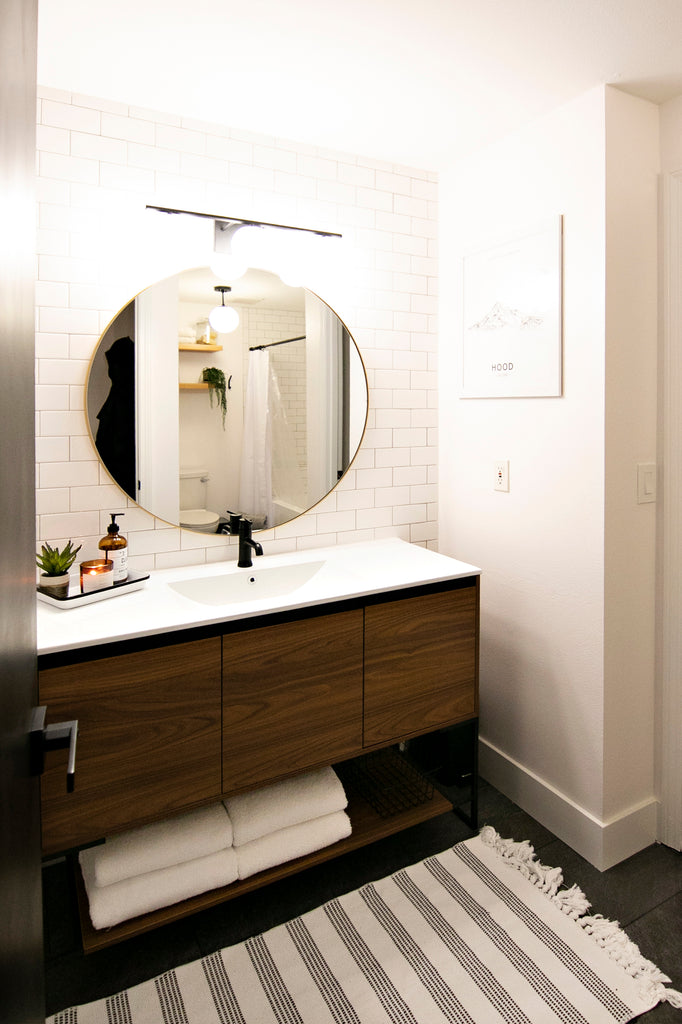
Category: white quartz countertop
[338,573]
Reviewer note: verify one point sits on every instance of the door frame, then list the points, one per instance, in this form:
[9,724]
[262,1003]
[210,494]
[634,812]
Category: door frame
[669,523]
[22,998]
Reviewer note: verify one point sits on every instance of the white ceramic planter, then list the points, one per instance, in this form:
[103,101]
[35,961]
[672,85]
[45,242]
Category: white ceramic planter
[55,586]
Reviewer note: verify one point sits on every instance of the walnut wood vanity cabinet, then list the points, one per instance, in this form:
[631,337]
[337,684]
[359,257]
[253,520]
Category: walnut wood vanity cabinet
[149,739]
[292,697]
[420,661]
[173,722]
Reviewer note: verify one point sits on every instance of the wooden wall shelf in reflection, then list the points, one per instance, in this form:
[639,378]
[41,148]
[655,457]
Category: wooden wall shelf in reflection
[200,385]
[199,347]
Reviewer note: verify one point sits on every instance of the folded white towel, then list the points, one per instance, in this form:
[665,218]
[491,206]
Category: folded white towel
[162,844]
[285,803]
[293,841]
[111,904]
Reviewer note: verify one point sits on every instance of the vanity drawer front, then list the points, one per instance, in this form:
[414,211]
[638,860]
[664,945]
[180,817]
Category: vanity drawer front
[148,739]
[292,697]
[421,664]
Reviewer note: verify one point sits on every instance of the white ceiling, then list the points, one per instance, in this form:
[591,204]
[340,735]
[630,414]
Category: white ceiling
[417,82]
[256,288]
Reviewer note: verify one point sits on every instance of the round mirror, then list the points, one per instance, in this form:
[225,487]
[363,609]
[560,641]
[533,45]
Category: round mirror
[195,424]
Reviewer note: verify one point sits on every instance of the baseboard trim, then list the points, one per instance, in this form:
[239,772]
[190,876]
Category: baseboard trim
[602,843]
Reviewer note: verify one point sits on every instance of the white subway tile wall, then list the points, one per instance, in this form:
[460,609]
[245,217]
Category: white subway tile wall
[99,164]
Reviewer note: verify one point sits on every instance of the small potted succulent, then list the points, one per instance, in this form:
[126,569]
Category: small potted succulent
[55,565]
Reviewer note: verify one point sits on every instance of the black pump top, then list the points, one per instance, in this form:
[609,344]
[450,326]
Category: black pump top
[114,527]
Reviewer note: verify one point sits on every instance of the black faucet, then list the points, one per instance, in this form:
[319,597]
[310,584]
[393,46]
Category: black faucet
[235,520]
[246,544]
[231,527]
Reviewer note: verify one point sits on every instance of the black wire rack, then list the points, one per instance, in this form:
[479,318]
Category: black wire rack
[387,780]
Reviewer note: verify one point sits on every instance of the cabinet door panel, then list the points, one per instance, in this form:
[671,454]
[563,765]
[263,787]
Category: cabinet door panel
[420,664]
[148,739]
[292,697]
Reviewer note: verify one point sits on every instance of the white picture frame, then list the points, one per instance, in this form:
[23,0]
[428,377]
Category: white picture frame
[512,310]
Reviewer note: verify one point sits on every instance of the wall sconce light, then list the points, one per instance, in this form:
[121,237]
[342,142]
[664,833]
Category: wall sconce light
[222,318]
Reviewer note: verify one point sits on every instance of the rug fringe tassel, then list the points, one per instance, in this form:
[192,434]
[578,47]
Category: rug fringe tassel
[522,856]
[573,902]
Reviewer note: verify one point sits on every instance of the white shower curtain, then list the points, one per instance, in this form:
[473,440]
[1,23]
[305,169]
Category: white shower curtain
[289,491]
[255,485]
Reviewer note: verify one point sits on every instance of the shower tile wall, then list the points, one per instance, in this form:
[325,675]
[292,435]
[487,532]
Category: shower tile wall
[99,163]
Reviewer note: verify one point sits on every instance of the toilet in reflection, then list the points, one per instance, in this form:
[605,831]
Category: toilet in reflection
[193,512]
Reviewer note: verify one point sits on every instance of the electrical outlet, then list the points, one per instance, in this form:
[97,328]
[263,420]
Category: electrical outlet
[502,475]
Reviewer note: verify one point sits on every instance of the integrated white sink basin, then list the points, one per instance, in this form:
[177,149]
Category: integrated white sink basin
[188,597]
[248,584]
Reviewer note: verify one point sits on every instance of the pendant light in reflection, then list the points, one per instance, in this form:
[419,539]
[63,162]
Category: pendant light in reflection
[222,318]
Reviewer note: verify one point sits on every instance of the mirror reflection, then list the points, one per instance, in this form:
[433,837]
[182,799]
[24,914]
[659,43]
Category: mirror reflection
[193,424]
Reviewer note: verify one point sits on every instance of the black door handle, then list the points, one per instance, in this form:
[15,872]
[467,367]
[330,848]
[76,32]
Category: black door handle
[52,737]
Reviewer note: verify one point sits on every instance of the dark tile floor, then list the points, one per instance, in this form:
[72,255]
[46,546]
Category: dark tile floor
[644,894]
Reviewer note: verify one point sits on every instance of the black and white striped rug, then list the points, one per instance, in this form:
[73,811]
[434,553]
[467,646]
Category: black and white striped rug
[480,934]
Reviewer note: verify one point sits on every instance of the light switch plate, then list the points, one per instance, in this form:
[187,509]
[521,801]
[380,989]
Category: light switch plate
[646,482]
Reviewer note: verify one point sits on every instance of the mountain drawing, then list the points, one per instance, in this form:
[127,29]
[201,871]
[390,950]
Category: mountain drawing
[501,316]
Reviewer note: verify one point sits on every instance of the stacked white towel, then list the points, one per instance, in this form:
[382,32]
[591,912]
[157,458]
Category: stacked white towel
[288,819]
[158,864]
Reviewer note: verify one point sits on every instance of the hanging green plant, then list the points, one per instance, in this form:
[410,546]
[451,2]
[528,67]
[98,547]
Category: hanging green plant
[217,385]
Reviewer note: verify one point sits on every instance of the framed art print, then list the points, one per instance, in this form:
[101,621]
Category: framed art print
[512,337]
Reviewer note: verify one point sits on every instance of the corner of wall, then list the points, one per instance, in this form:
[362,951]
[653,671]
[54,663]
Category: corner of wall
[602,843]
[631,397]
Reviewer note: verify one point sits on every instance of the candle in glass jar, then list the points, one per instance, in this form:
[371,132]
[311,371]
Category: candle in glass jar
[96,575]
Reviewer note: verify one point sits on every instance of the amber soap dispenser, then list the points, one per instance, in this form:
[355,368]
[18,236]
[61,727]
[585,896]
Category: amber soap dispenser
[115,547]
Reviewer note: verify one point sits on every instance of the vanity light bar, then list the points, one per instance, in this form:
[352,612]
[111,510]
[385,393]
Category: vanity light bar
[250,223]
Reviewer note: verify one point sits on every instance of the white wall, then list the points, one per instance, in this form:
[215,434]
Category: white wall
[548,624]
[632,164]
[669,704]
[99,163]
[671,135]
